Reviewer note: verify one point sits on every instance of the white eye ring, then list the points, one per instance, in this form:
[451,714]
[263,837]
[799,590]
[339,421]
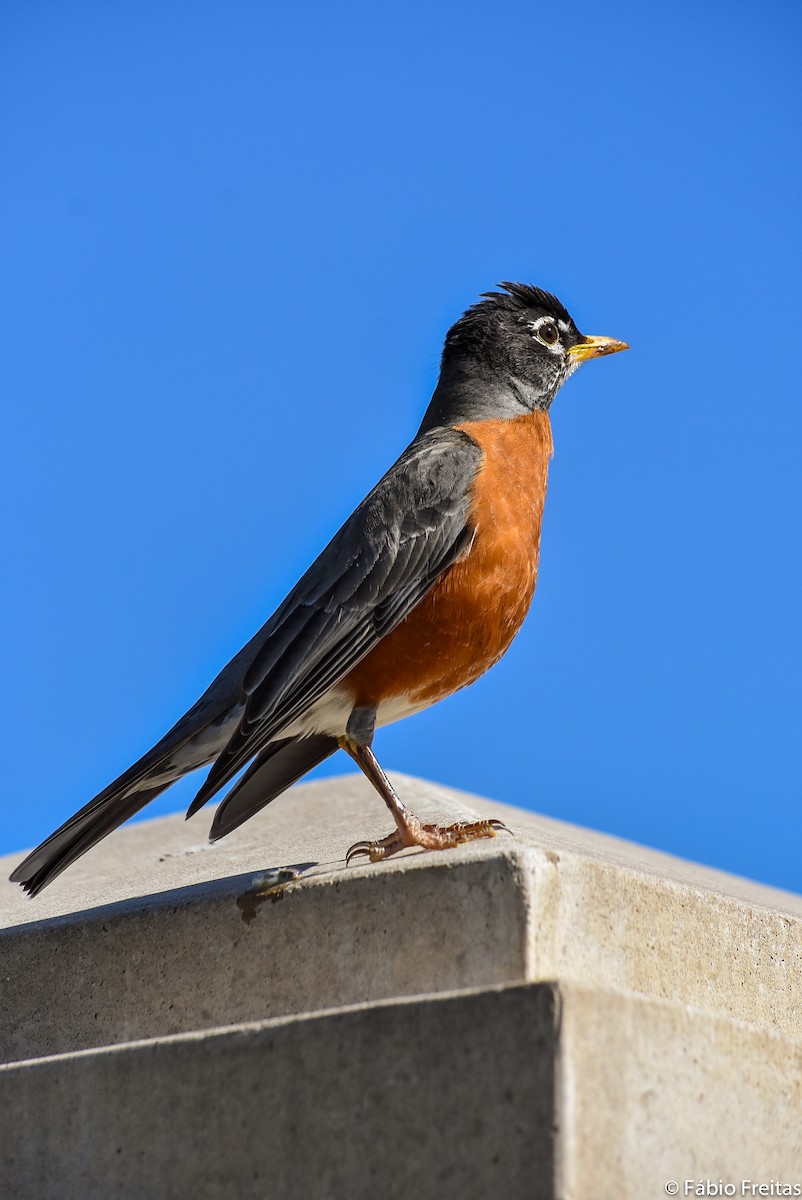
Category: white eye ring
[544,323]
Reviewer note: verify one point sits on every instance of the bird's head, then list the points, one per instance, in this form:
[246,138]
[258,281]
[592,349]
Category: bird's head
[510,354]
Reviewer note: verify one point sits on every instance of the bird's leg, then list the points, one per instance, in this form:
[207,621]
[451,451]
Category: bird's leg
[409,831]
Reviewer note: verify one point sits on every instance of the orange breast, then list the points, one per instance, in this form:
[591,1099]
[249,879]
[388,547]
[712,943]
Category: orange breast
[475,609]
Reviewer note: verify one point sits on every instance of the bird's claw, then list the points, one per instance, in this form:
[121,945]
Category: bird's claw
[500,827]
[376,851]
[428,837]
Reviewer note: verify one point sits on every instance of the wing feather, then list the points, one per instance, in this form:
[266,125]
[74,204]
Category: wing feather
[405,534]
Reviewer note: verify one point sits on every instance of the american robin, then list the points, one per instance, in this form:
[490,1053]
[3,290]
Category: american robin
[422,590]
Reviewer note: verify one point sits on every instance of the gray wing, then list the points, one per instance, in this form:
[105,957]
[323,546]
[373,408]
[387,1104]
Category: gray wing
[410,528]
[405,534]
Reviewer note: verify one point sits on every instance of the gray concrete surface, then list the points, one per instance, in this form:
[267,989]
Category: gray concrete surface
[538,1091]
[553,1014]
[652,1093]
[143,937]
[446,1097]
[186,960]
[316,823]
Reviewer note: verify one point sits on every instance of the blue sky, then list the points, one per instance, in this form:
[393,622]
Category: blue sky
[232,239]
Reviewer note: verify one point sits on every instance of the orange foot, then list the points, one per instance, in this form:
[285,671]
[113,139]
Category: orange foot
[429,837]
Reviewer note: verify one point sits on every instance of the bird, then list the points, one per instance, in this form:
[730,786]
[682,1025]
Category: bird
[418,594]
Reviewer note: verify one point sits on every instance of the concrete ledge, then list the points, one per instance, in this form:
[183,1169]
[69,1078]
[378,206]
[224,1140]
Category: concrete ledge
[425,1098]
[314,824]
[651,1092]
[534,1091]
[555,1014]
[186,960]
[144,937]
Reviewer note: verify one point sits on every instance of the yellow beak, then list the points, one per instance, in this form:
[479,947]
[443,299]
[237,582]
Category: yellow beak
[595,347]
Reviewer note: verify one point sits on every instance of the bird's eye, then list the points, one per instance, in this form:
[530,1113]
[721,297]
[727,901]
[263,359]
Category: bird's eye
[548,333]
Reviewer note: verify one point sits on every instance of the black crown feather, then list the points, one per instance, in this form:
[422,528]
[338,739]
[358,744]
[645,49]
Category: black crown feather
[525,295]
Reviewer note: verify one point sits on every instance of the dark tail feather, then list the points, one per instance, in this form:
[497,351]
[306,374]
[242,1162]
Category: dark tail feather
[79,834]
[144,781]
[272,772]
